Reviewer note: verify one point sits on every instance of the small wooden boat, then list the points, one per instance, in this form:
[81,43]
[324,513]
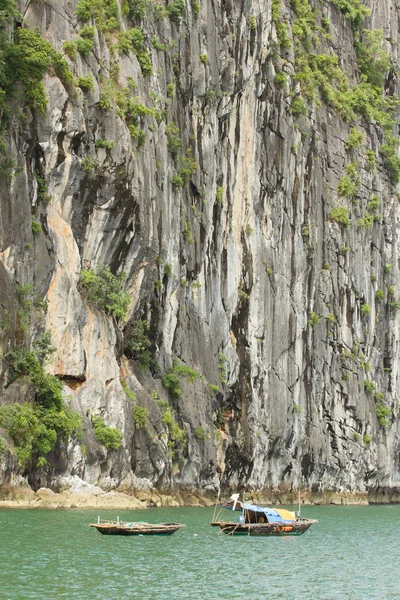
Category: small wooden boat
[119,527]
[261,521]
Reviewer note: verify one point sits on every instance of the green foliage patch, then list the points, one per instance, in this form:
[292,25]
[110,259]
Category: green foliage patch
[199,433]
[104,13]
[103,290]
[175,10]
[25,60]
[353,10]
[36,428]
[140,416]
[133,40]
[172,378]
[340,215]
[109,437]
[137,343]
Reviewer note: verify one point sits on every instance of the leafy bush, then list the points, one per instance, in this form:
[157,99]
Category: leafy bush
[167,270]
[382,413]
[222,360]
[171,379]
[88,164]
[131,395]
[137,8]
[373,59]
[177,181]
[355,139]
[177,435]
[86,83]
[31,437]
[31,364]
[199,434]
[374,202]
[391,161]
[298,107]
[36,226]
[340,215]
[140,417]
[219,195]
[35,429]
[103,290]
[104,12]
[366,222]
[84,46]
[175,10]
[137,343]
[25,60]
[353,10]
[87,32]
[102,143]
[314,319]
[173,140]
[349,184]
[172,382]
[133,39]
[280,79]
[70,50]
[370,157]
[369,386]
[196,7]
[365,310]
[110,437]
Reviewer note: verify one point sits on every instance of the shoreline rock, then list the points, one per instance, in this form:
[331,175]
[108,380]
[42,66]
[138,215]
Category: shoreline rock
[80,494]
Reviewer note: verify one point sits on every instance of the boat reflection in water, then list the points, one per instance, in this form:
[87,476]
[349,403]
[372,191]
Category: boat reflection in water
[260,521]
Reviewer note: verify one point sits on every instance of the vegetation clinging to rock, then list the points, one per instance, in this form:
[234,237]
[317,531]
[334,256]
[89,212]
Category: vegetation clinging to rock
[103,290]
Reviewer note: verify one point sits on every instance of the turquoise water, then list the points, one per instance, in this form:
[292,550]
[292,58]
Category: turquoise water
[353,553]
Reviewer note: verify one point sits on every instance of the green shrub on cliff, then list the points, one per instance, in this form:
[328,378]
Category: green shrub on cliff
[110,437]
[103,290]
[175,10]
[340,215]
[35,431]
[105,13]
[171,379]
[140,417]
[25,60]
[35,428]
[133,40]
[137,343]
[353,10]
[373,59]
[177,435]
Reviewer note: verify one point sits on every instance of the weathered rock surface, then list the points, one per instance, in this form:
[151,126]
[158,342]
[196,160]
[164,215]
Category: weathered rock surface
[252,254]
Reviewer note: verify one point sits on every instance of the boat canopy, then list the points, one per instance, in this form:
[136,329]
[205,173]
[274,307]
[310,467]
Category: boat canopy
[276,515]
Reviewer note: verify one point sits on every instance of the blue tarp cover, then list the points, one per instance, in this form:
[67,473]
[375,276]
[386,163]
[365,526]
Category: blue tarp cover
[272,514]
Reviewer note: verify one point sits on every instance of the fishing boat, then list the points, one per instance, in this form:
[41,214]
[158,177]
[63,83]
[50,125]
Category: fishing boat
[119,527]
[261,521]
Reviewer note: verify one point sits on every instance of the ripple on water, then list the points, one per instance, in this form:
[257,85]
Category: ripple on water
[352,554]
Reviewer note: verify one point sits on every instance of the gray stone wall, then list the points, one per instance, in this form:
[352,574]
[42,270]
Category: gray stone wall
[247,272]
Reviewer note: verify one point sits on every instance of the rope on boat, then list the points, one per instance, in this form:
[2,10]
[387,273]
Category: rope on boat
[215,506]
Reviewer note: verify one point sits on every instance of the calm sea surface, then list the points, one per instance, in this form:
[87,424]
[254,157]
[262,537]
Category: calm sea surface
[353,553]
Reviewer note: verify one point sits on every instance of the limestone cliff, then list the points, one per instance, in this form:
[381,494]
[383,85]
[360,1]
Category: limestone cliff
[236,162]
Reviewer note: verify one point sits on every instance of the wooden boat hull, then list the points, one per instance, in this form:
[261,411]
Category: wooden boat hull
[134,529]
[264,529]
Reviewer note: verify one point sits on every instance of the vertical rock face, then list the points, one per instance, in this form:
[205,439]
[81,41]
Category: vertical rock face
[231,250]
